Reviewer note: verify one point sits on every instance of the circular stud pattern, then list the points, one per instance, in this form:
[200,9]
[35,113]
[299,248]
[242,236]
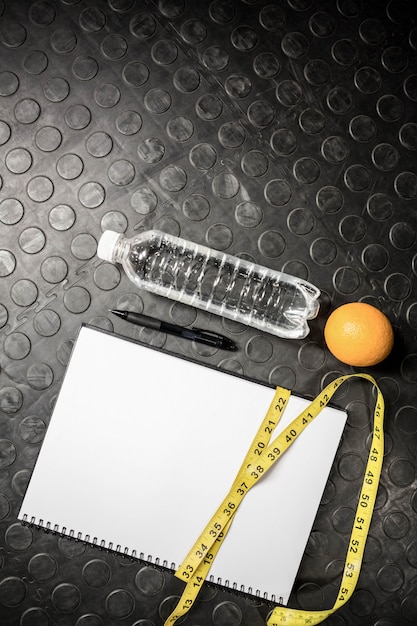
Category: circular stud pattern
[283,134]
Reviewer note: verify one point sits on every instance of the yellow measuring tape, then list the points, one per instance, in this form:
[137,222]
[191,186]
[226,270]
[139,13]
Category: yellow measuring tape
[260,458]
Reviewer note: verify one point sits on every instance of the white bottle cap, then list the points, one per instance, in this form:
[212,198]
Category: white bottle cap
[107,244]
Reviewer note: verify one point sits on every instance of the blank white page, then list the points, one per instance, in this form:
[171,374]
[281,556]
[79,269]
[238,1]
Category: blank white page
[143,446]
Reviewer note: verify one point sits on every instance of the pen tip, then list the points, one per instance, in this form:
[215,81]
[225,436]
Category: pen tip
[121,314]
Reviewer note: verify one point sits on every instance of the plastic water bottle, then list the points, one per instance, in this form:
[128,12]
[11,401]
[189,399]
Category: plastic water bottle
[220,283]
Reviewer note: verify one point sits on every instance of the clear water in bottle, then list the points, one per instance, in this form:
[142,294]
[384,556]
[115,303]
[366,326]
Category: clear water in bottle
[220,283]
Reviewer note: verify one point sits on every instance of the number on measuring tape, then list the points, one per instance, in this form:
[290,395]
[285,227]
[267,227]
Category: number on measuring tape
[261,456]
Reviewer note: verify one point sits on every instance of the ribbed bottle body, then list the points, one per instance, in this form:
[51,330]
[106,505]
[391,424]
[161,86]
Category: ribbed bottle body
[219,283]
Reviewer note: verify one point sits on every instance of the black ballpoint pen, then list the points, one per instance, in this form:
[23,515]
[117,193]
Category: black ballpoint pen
[195,334]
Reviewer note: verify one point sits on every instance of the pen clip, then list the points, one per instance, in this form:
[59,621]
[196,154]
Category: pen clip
[210,333]
[213,339]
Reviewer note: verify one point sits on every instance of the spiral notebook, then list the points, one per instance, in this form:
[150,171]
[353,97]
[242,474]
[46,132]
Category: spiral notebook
[143,445]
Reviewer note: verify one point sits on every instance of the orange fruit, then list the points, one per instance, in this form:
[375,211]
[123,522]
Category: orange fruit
[359,334]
